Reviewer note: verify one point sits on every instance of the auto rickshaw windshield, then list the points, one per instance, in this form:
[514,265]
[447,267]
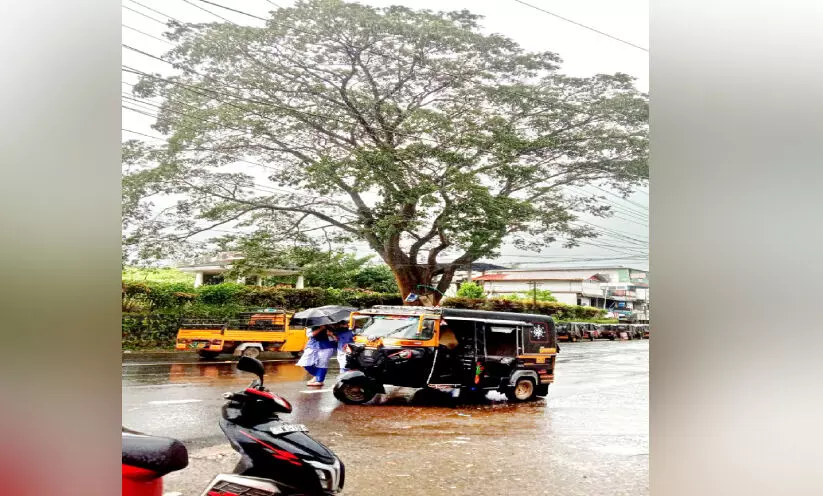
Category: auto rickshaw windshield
[397,327]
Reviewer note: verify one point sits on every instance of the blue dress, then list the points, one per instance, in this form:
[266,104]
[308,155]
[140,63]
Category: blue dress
[318,352]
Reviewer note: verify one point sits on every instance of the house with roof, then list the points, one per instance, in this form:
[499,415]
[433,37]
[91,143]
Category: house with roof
[211,270]
[621,290]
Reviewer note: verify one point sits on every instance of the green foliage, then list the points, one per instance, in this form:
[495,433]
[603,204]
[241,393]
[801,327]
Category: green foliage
[470,290]
[152,311]
[538,295]
[160,274]
[220,294]
[379,278]
[181,298]
[559,311]
[465,138]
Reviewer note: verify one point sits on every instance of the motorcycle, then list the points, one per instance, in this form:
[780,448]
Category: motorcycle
[277,457]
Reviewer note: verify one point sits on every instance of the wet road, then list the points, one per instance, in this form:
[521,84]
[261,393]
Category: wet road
[588,437]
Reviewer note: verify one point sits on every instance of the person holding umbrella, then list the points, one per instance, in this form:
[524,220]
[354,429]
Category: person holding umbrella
[319,350]
[326,327]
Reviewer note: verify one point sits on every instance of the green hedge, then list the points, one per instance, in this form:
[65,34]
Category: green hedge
[179,297]
[559,311]
[152,311]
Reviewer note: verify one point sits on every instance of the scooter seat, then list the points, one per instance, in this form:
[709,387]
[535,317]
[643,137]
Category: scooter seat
[160,455]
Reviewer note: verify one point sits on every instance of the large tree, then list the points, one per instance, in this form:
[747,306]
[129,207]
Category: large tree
[410,130]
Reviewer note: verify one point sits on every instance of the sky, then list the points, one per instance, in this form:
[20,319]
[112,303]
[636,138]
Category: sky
[584,53]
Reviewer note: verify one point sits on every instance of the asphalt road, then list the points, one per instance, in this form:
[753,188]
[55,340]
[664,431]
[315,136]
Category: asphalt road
[588,437]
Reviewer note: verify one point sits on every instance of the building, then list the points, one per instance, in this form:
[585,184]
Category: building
[621,290]
[210,270]
[467,274]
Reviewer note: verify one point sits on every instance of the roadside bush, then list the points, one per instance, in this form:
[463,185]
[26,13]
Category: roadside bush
[559,311]
[152,311]
[219,294]
[470,290]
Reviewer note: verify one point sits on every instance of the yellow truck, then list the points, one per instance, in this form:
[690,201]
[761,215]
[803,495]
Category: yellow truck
[248,335]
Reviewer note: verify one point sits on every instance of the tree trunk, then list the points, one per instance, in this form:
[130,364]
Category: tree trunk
[410,277]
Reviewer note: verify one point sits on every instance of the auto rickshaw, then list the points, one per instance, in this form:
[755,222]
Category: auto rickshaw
[469,352]
[646,329]
[579,331]
[635,331]
[563,330]
[608,331]
[592,332]
[624,332]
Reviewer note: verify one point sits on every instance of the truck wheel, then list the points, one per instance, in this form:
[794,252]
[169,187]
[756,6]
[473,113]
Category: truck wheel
[523,390]
[353,394]
[251,352]
[208,355]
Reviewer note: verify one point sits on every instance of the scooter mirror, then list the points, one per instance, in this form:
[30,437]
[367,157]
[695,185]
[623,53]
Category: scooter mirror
[252,365]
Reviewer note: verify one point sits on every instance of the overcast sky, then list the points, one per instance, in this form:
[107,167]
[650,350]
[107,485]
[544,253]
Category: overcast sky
[584,53]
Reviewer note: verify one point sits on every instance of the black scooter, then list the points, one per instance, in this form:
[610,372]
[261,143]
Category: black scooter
[277,457]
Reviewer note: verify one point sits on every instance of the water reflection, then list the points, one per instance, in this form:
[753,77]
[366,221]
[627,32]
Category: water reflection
[212,373]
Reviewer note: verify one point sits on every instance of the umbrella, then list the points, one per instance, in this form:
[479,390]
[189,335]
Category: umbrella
[329,314]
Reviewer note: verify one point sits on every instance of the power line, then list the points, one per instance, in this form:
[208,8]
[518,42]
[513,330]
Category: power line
[233,10]
[153,10]
[642,207]
[207,10]
[147,34]
[142,14]
[582,25]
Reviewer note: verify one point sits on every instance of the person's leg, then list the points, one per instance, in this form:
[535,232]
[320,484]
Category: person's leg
[320,375]
[311,369]
[341,359]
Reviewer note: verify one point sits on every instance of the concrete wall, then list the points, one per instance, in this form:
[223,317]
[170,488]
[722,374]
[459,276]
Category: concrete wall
[508,287]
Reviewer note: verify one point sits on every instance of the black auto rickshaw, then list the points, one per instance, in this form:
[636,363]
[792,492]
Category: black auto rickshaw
[563,330]
[580,331]
[465,351]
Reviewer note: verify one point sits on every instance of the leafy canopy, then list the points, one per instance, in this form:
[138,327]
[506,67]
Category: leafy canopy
[410,130]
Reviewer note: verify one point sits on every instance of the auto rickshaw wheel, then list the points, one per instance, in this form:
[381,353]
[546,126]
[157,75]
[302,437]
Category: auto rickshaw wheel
[208,355]
[353,394]
[523,390]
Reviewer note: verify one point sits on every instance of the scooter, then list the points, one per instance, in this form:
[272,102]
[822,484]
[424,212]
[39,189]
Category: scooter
[277,457]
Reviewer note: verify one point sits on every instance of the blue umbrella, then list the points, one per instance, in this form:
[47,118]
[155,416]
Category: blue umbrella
[329,314]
